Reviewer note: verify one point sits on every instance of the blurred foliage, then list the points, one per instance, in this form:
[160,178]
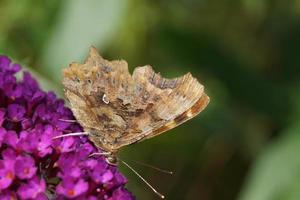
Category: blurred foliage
[276,173]
[246,52]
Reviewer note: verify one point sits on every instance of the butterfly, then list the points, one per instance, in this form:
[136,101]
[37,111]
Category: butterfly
[117,109]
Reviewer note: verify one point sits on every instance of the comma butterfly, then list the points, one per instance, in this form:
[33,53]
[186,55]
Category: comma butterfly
[117,109]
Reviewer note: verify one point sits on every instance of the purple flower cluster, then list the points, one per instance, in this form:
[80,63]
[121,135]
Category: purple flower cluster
[32,164]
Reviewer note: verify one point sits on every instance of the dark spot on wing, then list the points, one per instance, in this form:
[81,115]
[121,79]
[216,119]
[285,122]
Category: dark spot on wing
[180,118]
[104,118]
[138,112]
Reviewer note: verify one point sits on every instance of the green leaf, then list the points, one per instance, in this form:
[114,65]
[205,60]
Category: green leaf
[276,174]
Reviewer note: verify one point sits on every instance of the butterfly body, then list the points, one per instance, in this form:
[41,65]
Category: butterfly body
[117,109]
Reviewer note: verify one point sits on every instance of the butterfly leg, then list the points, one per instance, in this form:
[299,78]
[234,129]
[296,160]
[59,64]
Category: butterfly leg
[68,120]
[100,154]
[70,134]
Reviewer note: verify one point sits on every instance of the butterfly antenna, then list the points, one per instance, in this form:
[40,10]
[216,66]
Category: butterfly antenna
[153,167]
[68,120]
[70,134]
[149,185]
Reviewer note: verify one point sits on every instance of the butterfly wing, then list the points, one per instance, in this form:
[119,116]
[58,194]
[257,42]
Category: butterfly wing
[171,102]
[92,89]
[119,109]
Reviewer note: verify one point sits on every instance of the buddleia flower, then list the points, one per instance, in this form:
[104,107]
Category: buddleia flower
[33,165]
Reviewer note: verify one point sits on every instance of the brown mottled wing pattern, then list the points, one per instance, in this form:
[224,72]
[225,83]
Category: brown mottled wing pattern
[118,109]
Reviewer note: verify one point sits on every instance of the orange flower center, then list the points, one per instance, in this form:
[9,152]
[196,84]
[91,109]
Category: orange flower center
[26,171]
[9,175]
[12,197]
[71,192]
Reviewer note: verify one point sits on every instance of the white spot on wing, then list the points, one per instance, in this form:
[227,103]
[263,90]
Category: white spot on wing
[105,99]
[189,113]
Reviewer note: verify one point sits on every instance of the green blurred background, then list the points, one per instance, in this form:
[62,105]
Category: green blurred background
[246,144]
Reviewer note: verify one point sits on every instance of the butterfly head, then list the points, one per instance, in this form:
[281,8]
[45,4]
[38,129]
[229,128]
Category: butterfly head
[112,159]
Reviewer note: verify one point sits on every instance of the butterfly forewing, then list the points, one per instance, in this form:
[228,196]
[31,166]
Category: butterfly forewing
[119,109]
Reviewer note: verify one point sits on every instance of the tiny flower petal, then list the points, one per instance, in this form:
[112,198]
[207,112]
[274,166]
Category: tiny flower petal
[6,178]
[26,124]
[9,155]
[100,174]
[8,195]
[25,167]
[121,194]
[71,189]
[32,189]
[66,145]
[11,139]
[107,176]
[7,173]
[44,145]
[4,63]
[16,112]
